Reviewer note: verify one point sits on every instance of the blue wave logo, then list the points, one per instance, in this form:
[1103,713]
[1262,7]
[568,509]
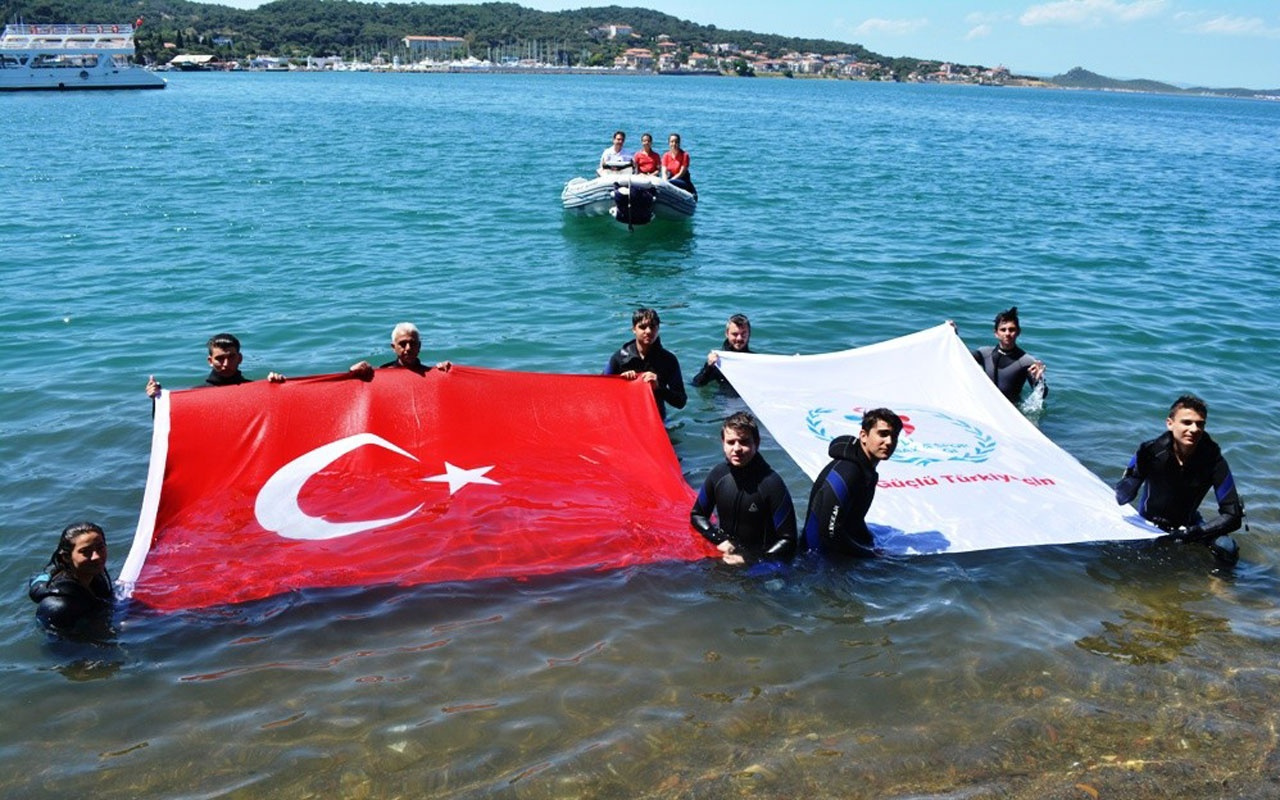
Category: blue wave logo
[930,438]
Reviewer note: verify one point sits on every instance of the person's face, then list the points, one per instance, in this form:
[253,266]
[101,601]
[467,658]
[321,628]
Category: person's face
[674,142]
[406,347]
[738,336]
[739,448]
[618,140]
[1187,426]
[224,362]
[879,442]
[646,331]
[646,142]
[88,554]
[1007,334]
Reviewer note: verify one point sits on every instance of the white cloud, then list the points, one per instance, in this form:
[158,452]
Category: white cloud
[1090,12]
[1229,26]
[891,27]
[978,32]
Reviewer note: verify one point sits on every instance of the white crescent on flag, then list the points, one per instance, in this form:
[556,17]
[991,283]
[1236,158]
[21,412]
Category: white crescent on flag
[970,473]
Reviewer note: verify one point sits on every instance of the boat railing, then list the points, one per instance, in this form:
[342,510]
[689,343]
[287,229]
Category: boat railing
[66,30]
[68,37]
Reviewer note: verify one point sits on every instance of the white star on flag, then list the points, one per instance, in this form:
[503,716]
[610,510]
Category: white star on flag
[458,477]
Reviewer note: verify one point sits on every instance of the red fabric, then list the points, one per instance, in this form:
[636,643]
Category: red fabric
[674,164]
[646,163]
[585,478]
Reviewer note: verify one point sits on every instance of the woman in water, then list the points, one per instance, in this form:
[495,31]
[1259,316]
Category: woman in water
[675,165]
[74,585]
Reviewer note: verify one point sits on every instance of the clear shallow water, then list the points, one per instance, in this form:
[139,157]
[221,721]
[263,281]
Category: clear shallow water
[1139,236]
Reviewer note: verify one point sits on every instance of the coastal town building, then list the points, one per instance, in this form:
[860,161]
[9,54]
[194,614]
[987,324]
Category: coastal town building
[434,45]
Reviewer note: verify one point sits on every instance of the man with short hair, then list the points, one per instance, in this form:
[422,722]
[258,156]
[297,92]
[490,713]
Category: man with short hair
[737,337]
[836,523]
[615,158]
[406,342]
[224,363]
[646,360]
[1008,366]
[1178,468]
[755,520]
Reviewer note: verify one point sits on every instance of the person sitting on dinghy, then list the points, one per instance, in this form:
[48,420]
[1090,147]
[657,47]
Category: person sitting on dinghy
[647,160]
[675,165]
[615,157]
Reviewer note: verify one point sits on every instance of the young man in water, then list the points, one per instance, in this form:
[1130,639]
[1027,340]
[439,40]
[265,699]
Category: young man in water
[755,520]
[646,360]
[406,343]
[224,364]
[1178,468]
[1007,365]
[737,337]
[836,523]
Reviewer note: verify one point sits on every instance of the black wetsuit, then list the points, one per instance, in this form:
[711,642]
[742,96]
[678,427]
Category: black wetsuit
[417,367]
[753,510]
[63,602]
[710,372]
[661,362]
[836,521]
[1174,491]
[217,379]
[1008,370]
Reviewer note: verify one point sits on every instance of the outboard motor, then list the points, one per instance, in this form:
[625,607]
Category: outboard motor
[633,204]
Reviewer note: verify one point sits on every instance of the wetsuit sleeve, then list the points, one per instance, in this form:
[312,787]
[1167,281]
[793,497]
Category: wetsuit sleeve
[704,375]
[1230,509]
[1027,361]
[1134,477]
[614,365]
[672,384]
[703,506]
[783,547]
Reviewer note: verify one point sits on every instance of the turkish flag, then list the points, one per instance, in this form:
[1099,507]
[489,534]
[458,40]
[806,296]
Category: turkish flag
[263,488]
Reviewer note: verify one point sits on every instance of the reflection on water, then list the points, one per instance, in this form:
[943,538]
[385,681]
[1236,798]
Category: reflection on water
[660,250]
[693,680]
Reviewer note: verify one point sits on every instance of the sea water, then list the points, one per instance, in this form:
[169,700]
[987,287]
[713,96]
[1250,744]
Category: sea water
[1137,234]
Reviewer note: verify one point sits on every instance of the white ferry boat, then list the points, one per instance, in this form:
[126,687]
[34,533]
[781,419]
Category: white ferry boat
[71,57]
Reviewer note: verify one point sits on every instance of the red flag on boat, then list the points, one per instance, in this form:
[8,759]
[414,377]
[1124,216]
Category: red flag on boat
[260,489]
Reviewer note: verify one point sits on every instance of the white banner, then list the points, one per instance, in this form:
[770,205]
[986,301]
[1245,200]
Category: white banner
[970,473]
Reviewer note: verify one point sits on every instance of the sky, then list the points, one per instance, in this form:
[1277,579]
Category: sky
[1215,43]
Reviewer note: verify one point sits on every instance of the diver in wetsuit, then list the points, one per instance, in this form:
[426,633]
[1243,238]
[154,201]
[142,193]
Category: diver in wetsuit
[755,520]
[406,342]
[74,586]
[737,337]
[836,522]
[1178,468]
[646,360]
[1008,366]
[224,364]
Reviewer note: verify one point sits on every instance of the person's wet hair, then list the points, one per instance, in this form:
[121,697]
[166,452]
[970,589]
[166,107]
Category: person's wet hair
[223,341]
[740,320]
[644,315]
[61,557]
[1190,401]
[742,423]
[876,415]
[1008,315]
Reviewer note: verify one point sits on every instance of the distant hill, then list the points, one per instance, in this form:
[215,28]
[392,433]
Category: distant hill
[1081,78]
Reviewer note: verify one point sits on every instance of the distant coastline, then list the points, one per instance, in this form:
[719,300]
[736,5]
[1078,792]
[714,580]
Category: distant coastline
[346,35]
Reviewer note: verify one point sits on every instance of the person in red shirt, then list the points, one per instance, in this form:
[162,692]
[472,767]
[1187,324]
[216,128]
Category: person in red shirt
[675,165]
[646,159]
